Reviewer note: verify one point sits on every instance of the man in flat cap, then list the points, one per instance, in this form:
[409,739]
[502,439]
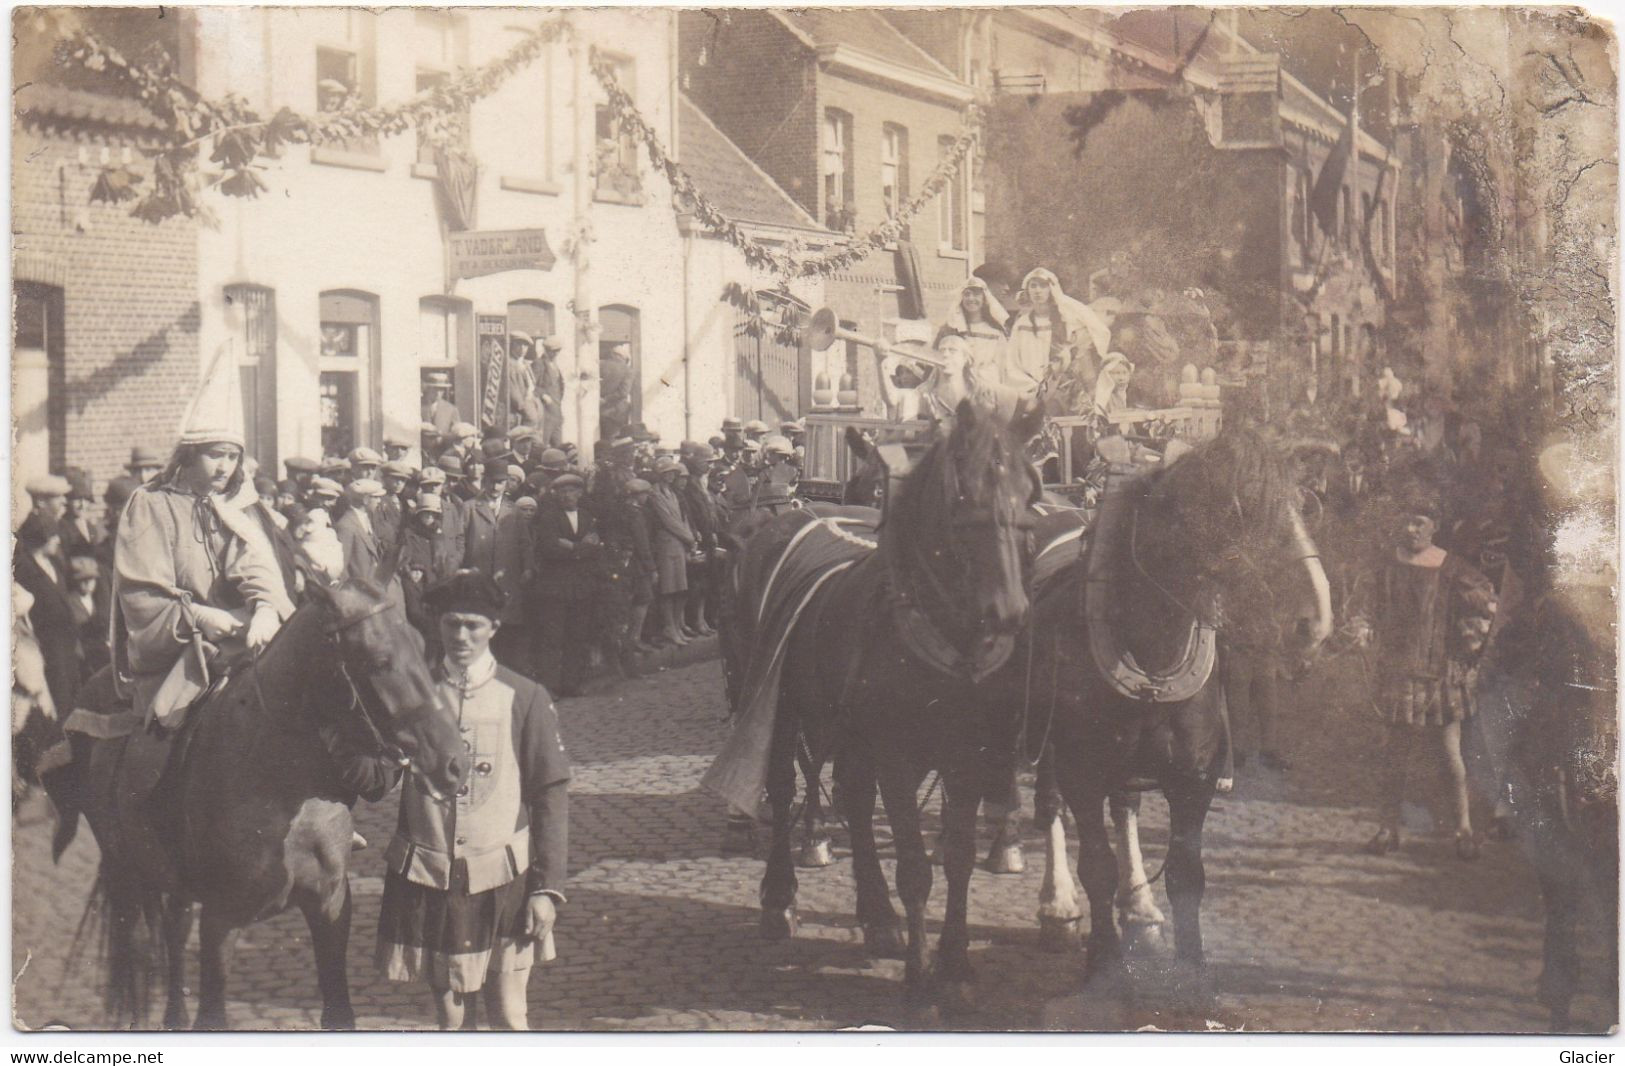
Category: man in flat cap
[396,449]
[438,410]
[614,390]
[364,463]
[473,883]
[523,407]
[424,563]
[550,391]
[48,496]
[362,551]
[144,463]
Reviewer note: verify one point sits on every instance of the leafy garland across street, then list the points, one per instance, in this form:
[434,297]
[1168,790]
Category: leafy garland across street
[239,137]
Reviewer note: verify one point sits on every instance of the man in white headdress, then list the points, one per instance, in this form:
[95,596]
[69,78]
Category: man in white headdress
[192,573]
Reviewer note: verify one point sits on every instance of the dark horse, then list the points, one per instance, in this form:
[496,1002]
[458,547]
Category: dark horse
[880,672]
[251,818]
[1116,670]
[864,490]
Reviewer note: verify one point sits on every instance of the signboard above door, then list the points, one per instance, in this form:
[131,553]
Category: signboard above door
[476,253]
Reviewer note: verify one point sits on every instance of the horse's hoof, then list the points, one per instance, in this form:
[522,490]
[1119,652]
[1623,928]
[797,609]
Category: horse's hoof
[176,1020]
[1006,860]
[780,924]
[1060,935]
[884,941]
[1144,937]
[815,854]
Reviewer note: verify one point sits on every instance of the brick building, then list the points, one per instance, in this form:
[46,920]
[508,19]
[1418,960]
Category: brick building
[848,116]
[105,350]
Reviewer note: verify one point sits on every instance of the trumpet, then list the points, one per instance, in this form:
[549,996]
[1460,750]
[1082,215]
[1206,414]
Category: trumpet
[825,330]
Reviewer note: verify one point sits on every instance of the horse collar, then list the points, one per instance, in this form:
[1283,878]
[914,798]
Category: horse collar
[1112,657]
[927,643]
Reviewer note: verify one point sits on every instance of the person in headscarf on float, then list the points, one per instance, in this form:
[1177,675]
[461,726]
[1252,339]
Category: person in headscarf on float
[1111,387]
[979,318]
[1055,342]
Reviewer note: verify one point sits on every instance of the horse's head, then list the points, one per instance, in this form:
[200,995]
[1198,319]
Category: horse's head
[383,656]
[1218,524]
[959,526]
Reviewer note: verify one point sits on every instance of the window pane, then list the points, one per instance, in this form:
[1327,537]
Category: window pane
[434,334]
[338,412]
[339,340]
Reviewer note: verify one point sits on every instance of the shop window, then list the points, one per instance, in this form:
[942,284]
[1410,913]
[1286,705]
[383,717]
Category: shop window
[251,319]
[348,371]
[837,167]
[445,341]
[617,148]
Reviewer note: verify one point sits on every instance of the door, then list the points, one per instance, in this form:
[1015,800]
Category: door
[769,370]
[618,324]
[349,371]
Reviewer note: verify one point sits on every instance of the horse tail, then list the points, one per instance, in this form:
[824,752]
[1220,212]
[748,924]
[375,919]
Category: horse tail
[129,914]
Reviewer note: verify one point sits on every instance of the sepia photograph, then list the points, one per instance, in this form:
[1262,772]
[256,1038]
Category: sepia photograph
[937,519]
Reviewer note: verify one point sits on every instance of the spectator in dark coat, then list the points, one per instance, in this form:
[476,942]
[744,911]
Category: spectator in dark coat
[425,562]
[701,509]
[672,540]
[363,555]
[38,567]
[569,577]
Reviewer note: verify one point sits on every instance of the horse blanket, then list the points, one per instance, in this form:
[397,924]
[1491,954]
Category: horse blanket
[784,567]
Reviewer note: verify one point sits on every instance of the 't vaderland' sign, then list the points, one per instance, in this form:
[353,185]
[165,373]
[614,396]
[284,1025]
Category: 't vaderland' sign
[475,253]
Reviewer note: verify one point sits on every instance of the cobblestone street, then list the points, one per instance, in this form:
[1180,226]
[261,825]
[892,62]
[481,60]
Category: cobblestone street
[1303,929]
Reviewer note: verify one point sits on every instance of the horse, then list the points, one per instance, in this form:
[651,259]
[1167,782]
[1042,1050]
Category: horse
[862,497]
[880,669]
[251,816]
[1115,673]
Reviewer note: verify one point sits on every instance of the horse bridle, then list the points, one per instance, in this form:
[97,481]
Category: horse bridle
[368,717]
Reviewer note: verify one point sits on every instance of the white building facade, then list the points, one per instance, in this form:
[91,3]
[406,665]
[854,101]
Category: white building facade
[335,289]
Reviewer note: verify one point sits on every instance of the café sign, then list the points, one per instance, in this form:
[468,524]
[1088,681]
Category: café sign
[476,253]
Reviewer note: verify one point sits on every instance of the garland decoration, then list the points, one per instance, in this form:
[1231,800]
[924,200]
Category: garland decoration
[238,137]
